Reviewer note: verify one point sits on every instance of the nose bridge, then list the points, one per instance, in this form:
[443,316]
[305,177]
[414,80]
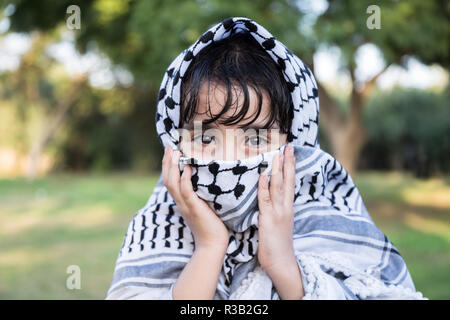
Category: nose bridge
[229,146]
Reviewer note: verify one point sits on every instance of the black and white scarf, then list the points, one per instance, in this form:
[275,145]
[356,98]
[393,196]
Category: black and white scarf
[340,251]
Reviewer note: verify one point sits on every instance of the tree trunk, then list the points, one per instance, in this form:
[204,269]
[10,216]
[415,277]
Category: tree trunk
[347,134]
[54,124]
[347,145]
[33,159]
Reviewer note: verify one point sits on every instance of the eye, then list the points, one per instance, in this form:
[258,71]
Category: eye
[203,138]
[256,141]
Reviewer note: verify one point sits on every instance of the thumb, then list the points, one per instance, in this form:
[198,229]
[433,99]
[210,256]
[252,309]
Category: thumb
[264,200]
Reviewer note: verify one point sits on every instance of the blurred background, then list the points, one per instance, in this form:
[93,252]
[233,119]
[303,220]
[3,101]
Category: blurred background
[79,153]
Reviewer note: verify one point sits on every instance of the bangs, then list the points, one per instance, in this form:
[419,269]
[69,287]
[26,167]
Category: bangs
[233,91]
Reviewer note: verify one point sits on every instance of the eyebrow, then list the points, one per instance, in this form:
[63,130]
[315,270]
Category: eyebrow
[190,127]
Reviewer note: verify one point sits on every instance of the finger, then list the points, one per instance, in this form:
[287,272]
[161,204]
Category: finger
[289,175]
[171,180]
[276,180]
[264,200]
[165,165]
[174,174]
[168,162]
[174,171]
[186,189]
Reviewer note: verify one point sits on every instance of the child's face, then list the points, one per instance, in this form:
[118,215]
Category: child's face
[229,142]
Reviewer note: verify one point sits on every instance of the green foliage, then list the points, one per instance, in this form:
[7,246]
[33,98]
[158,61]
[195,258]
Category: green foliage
[109,135]
[144,36]
[408,129]
[415,27]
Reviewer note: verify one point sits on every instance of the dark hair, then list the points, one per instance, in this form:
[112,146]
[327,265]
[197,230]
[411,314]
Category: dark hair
[238,60]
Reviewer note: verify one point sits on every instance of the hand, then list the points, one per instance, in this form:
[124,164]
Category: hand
[208,230]
[276,213]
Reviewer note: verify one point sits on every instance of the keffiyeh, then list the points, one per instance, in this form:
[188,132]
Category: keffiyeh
[340,252]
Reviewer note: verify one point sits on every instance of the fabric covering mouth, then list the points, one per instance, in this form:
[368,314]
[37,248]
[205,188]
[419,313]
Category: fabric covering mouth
[230,187]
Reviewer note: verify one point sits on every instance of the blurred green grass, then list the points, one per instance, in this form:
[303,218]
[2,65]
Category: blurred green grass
[61,220]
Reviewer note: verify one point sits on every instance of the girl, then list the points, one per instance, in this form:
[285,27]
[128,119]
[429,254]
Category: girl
[248,206]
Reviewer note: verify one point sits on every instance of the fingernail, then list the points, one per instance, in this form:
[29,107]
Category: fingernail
[184,170]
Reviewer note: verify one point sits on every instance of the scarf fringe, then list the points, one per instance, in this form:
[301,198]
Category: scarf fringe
[362,285]
[257,285]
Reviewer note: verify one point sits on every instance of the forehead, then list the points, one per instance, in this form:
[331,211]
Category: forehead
[211,103]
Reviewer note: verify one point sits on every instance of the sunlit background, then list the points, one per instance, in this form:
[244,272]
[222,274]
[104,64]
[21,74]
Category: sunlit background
[79,153]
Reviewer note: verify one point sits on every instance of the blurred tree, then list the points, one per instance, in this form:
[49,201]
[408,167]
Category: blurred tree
[408,28]
[54,120]
[33,86]
[408,129]
[133,34]
[146,35]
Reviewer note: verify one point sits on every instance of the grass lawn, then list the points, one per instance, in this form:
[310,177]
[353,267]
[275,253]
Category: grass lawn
[62,220]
